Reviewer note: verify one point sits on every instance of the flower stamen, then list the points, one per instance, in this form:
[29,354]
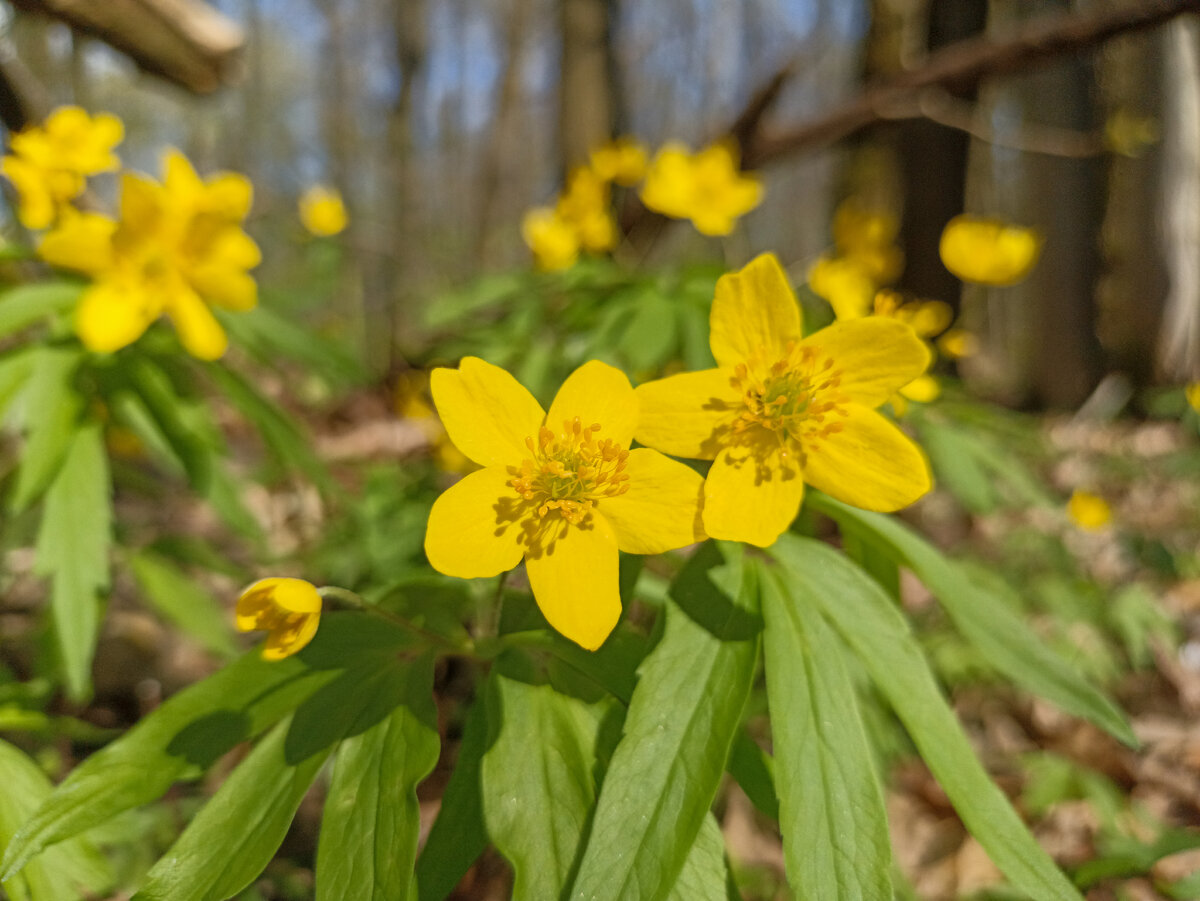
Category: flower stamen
[795,397]
[571,471]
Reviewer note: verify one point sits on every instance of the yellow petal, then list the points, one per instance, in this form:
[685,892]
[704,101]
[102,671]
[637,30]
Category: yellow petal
[661,509]
[142,205]
[685,415]
[229,195]
[297,632]
[597,393]
[487,413]
[876,356]
[474,528]
[199,331]
[753,491]
[225,287]
[1192,393]
[82,241]
[1089,512]
[989,251]
[574,581]
[180,178]
[923,389]
[869,463]
[754,313]
[36,207]
[111,316]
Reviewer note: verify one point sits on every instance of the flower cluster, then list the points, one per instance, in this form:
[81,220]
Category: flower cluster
[865,258]
[563,491]
[49,164]
[176,248]
[706,187]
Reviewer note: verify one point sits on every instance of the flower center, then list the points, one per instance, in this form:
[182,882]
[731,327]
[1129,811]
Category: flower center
[795,397]
[571,471]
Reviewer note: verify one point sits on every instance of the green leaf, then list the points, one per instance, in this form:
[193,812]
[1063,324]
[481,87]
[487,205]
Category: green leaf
[704,876]
[538,784]
[958,468]
[72,550]
[868,621]
[189,732]
[51,408]
[175,418]
[985,621]
[235,834]
[457,837]
[685,711]
[26,304]
[833,819]
[649,337]
[182,602]
[66,872]
[370,827]
[15,368]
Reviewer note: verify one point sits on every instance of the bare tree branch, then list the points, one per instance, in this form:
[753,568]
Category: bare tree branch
[187,42]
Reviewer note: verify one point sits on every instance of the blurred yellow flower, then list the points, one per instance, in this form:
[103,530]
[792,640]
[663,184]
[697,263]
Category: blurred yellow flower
[585,206]
[868,236]
[1128,134]
[706,187]
[1192,393]
[845,284]
[559,489]
[780,410]
[288,609]
[322,211]
[988,251]
[957,343]
[49,163]
[553,241]
[622,161]
[1089,511]
[177,248]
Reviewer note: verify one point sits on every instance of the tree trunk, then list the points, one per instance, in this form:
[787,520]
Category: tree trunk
[587,108]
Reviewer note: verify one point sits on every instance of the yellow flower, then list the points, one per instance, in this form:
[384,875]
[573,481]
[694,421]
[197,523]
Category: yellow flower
[559,489]
[177,248]
[989,251]
[845,284]
[584,206]
[553,241]
[958,343]
[1192,393]
[781,410]
[867,236]
[288,609]
[707,187]
[622,161]
[322,211]
[1089,511]
[49,163]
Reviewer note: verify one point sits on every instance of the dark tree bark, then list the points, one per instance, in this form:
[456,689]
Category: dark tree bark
[587,106]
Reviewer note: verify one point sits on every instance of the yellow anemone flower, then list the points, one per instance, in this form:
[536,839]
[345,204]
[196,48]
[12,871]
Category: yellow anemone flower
[866,235]
[177,248]
[622,161]
[989,251]
[845,284]
[1192,393]
[706,187]
[584,206]
[559,489]
[322,211]
[781,410]
[553,241]
[288,609]
[957,343]
[49,162]
[1089,512]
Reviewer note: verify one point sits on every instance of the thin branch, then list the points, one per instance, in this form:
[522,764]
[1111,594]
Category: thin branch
[963,65]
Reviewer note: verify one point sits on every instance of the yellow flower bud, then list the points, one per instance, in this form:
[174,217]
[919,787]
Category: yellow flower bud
[288,609]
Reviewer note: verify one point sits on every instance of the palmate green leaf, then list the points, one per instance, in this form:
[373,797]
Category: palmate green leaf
[704,876]
[26,304]
[833,819]
[236,833]
[682,719]
[457,837]
[538,782]
[869,623]
[189,732]
[370,827]
[51,408]
[65,873]
[72,551]
[987,622]
[184,603]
